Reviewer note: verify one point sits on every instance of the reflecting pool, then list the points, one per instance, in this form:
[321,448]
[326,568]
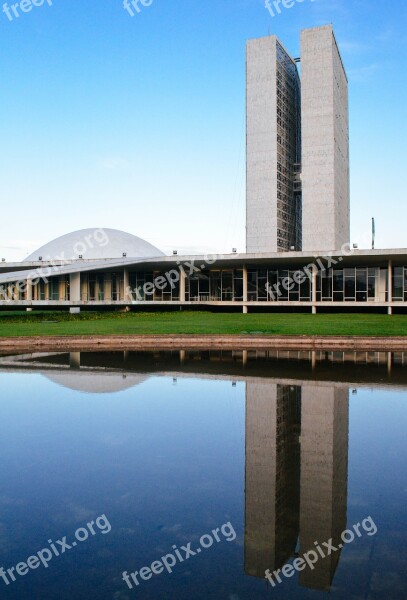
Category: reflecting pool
[203,475]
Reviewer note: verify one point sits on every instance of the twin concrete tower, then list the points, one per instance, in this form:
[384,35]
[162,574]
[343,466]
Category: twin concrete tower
[297,146]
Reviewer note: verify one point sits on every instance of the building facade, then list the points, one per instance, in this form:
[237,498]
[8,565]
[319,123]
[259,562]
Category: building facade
[325,142]
[273,207]
[297,145]
[298,253]
[368,279]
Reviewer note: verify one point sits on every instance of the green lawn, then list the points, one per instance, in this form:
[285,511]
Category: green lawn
[133,323]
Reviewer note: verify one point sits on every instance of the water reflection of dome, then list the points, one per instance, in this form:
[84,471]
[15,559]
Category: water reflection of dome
[95,382]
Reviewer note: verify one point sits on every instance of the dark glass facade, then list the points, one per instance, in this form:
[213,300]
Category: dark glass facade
[264,285]
[289,209]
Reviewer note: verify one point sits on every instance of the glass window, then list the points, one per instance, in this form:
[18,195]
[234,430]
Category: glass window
[262,284]
[294,285]
[283,285]
[398,280]
[53,289]
[371,287]
[115,286]
[194,288]
[227,285]
[305,290]
[337,284]
[361,280]
[92,289]
[238,289]
[361,285]
[350,284]
[326,285]
[215,285]
[252,285]
[100,287]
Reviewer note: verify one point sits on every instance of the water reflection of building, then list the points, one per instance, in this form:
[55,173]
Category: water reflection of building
[296,475]
[324,476]
[272,475]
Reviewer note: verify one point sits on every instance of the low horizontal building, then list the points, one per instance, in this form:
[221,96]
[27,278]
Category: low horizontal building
[117,269]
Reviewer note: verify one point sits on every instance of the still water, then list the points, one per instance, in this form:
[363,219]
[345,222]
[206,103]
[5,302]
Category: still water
[198,472]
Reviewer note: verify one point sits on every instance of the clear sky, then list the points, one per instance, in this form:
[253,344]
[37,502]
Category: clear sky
[137,123]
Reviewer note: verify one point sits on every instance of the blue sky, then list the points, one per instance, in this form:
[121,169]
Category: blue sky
[137,123]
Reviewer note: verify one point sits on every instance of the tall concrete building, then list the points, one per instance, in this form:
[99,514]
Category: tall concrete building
[297,145]
[325,142]
[273,207]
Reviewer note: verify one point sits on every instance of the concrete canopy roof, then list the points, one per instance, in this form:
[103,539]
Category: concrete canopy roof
[297,260]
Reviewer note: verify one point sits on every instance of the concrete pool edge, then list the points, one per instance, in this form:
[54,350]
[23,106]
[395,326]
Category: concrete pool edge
[201,342]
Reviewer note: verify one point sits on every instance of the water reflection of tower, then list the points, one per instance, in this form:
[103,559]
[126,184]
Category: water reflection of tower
[296,441]
[324,476]
[272,475]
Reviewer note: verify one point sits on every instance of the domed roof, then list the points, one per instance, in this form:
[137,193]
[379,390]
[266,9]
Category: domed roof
[98,243]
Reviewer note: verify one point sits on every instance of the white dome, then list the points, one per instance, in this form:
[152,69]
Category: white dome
[98,243]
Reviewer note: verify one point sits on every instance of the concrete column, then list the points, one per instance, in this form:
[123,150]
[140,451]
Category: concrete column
[182,356]
[245,283]
[382,284]
[126,285]
[108,287]
[390,286]
[75,287]
[61,288]
[182,287]
[245,288]
[314,290]
[29,293]
[84,287]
